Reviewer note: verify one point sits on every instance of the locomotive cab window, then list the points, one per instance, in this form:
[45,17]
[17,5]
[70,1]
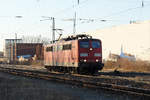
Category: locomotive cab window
[84,44]
[95,44]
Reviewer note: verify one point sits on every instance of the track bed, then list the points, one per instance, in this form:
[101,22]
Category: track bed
[109,82]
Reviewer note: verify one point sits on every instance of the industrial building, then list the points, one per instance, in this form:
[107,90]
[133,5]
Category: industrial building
[15,49]
[9,46]
[116,57]
[130,57]
[28,50]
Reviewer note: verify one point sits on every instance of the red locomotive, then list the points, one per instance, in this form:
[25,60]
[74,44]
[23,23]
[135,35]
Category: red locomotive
[79,54]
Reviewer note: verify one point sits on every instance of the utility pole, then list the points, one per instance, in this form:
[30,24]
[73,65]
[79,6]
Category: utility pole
[16,37]
[142,3]
[53,26]
[15,48]
[74,24]
[53,29]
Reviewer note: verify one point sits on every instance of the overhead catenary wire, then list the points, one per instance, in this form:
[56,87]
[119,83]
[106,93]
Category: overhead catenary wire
[143,4]
[103,19]
[127,10]
[71,7]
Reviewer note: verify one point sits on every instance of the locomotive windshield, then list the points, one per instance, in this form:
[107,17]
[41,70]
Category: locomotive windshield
[84,44]
[95,44]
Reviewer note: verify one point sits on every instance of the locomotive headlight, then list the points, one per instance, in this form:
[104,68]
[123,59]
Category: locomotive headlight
[97,55]
[91,49]
[84,60]
[97,60]
[83,54]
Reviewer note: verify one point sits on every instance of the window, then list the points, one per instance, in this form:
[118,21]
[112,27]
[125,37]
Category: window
[95,44]
[49,49]
[67,47]
[84,44]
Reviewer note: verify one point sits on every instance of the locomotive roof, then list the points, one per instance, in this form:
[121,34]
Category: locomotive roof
[74,37]
[77,37]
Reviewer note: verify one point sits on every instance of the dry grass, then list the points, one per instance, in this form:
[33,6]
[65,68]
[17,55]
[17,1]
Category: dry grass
[126,65]
[37,63]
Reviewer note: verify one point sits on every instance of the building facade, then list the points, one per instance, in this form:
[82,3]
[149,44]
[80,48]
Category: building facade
[29,50]
[15,48]
[135,37]
[9,51]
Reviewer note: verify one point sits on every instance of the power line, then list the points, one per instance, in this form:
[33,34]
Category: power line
[71,7]
[88,20]
[126,10]
[103,19]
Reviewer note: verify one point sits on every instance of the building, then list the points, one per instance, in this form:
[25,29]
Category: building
[29,50]
[15,48]
[113,57]
[9,50]
[135,37]
[130,57]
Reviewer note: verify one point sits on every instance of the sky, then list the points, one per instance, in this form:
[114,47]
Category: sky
[114,12]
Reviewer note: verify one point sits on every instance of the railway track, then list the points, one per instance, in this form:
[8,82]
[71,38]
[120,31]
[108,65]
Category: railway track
[81,80]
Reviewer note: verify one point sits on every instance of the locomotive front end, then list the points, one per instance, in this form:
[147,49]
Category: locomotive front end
[90,55]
